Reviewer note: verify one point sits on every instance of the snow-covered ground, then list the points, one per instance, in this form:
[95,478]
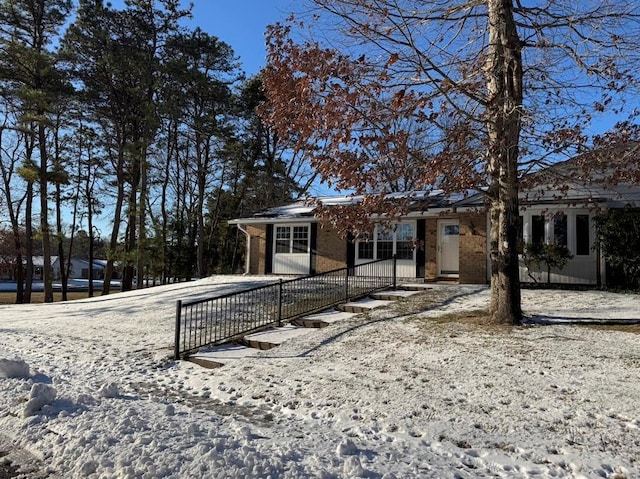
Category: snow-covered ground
[87,387]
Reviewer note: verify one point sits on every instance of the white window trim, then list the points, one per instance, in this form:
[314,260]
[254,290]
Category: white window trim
[374,240]
[291,238]
[571,214]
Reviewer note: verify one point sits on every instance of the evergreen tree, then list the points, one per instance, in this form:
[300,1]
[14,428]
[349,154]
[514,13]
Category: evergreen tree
[29,68]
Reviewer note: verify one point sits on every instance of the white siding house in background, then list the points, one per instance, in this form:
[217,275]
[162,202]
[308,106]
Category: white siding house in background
[79,268]
[567,217]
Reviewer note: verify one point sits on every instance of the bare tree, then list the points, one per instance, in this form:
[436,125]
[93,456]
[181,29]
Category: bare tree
[509,86]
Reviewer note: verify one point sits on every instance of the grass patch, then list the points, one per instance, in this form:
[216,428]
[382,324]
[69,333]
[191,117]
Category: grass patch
[38,297]
[473,320]
[423,301]
[631,328]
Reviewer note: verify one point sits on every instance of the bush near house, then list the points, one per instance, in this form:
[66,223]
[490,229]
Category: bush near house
[552,255]
[618,235]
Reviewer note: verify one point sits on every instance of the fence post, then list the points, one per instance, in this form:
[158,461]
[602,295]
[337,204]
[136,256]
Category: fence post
[346,284]
[280,302]
[176,347]
[395,265]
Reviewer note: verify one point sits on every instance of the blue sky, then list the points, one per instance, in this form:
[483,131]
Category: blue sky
[241,24]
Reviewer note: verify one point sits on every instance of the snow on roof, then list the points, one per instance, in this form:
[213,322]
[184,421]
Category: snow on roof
[97,263]
[305,208]
[39,260]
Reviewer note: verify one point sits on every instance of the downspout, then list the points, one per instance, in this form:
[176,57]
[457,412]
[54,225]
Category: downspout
[248,258]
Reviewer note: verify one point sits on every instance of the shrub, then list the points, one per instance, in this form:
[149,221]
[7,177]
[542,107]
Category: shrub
[552,255]
[618,235]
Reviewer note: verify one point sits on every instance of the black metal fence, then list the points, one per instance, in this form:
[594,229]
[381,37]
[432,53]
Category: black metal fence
[213,321]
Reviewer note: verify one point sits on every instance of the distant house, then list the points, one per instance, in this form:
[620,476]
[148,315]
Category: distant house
[38,267]
[79,269]
[450,232]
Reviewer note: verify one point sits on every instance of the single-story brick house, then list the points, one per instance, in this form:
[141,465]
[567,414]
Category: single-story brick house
[450,233]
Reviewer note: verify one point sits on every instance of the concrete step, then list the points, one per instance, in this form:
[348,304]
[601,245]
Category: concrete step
[252,344]
[364,305]
[394,295]
[416,286]
[271,338]
[321,320]
[218,356]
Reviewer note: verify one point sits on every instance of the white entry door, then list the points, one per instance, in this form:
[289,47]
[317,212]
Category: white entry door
[448,248]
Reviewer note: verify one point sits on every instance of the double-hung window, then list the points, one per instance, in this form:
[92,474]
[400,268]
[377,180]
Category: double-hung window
[384,242]
[292,239]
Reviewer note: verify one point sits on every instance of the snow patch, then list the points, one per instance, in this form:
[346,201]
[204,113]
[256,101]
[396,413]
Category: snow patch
[14,368]
[39,396]
[109,390]
[393,394]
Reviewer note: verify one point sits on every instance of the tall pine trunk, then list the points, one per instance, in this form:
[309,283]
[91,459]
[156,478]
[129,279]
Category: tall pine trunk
[64,272]
[117,219]
[28,243]
[142,213]
[47,272]
[504,110]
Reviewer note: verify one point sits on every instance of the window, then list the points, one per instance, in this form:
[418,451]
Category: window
[583,239]
[292,239]
[537,229]
[365,246]
[451,230]
[560,229]
[384,243]
[283,239]
[404,241]
[300,239]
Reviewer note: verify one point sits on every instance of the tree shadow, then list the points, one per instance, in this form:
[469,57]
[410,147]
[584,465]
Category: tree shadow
[344,332]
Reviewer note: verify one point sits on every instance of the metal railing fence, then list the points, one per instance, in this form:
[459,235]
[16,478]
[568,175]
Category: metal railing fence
[213,321]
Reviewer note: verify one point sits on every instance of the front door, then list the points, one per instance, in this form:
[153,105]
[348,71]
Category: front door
[448,248]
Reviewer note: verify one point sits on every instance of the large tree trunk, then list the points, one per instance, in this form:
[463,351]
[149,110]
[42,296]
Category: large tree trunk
[130,236]
[17,242]
[28,244]
[504,75]
[88,192]
[64,273]
[91,249]
[115,231]
[163,204]
[202,152]
[47,272]
[142,233]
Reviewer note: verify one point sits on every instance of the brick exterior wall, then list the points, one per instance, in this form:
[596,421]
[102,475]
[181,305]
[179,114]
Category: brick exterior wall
[473,248]
[331,250]
[258,235]
[431,243]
